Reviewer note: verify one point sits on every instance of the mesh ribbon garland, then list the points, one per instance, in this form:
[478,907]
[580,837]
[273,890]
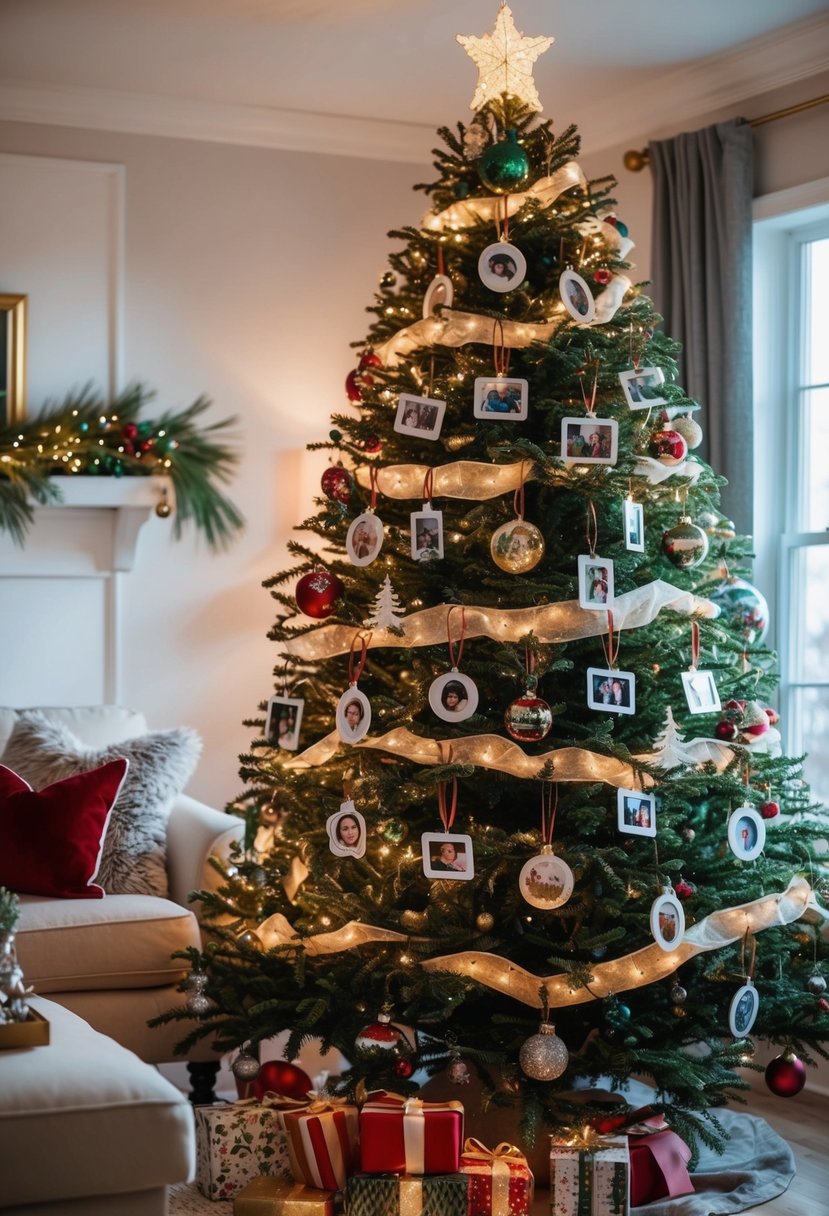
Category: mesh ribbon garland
[469,212]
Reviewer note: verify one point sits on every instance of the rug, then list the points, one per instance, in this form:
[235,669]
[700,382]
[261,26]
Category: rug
[756,1166]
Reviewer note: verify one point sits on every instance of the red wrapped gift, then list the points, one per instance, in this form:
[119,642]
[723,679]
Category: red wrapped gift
[406,1136]
[322,1143]
[500,1181]
[658,1163]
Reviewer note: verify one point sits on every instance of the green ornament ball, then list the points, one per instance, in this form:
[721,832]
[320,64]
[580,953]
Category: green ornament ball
[394,831]
[461,189]
[504,166]
[336,436]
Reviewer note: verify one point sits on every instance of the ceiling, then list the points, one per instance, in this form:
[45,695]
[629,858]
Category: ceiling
[379,60]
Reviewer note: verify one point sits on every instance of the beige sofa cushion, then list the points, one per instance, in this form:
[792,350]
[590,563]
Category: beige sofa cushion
[122,941]
[84,1116]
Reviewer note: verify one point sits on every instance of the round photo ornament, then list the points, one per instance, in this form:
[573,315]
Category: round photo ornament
[453,697]
[517,546]
[502,267]
[546,881]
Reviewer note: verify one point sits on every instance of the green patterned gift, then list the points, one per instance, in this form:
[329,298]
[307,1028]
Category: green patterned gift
[402,1195]
[235,1142]
[589,1175]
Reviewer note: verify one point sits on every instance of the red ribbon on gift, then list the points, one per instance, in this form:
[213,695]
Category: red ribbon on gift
[322,1142]
[407,1136]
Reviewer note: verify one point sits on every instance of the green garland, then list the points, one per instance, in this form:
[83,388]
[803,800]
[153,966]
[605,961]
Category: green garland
[86,436]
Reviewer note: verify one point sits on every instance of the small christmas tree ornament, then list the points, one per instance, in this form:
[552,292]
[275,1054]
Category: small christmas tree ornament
[387,612]
[786,1074]
[317,593]
[245,1067]
[668,446]
[685,545]
[337,484]
[689,429]
[544,1056]
[197,1002]
[382,1037]
[742,606]
[504,166]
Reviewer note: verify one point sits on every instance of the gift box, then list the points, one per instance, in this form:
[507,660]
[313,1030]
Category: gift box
[275,1197]
[235,1142]
[322,1143]
[589,1176]
[407,1136]
[404,1195]
[658,1163]
[500,1180]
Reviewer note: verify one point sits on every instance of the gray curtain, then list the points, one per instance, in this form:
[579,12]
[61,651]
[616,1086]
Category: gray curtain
[703,188]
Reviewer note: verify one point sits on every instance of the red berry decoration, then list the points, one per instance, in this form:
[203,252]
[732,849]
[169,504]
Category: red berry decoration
[337,484]
[769,810]
[403,1068]
[684,890]
[602,276]
[669,447]
[352,386]
[786,1074]
[727,731]
[129,430]
[280,1077]
[317,593]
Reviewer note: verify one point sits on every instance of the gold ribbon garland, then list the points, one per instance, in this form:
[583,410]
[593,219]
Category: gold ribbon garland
[549,623]
[469,212]
[635,970]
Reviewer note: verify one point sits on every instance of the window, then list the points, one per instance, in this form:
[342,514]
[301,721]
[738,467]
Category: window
[791,298]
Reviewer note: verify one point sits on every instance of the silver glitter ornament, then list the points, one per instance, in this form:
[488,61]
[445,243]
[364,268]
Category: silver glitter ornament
[816,984]
[678,994]
[689,429]
[458,1072]
[197,1003]
[245,1067]
[544,1056]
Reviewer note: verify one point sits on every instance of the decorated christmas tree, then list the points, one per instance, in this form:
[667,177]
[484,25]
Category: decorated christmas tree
[517,805]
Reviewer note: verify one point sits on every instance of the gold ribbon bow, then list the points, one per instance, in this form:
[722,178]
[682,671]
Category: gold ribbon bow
[497,1160]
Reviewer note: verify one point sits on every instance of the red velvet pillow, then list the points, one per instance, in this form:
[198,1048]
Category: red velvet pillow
[51,840]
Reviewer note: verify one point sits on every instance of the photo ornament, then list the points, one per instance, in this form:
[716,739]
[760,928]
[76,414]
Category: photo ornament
[746,833]
[453,697]
[364,539]
[634,526]
[447,856]
[595,581]
[595,441]
[419,416]
[501,398]
[546,881]
[502,267]
[743,1010]
[283,722]
[427,534]
[353,715]
[636,812]
[701,692]
[612,691]
[346,831]
[642,387]
[667,920]
[577,297]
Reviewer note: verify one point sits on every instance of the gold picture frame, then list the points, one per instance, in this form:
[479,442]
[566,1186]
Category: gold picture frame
[12,358]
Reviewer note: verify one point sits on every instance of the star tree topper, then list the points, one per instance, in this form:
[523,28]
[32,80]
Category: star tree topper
[504,60]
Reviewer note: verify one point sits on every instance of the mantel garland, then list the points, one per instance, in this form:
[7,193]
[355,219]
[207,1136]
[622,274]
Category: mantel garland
[87,436]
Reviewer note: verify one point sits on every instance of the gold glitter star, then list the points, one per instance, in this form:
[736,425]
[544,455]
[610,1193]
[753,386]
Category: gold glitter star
[504,60]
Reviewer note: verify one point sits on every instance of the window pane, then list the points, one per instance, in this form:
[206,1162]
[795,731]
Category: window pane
[813,712]
[816,404]
[811,604]
[817,348]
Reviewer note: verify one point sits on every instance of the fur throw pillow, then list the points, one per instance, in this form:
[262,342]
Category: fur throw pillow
[160,765]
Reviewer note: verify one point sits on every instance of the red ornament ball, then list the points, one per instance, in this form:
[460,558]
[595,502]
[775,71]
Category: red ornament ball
[786,1075]
[668,447]
[684,890]
[373,445]
[317,593]
[129,430]
[602,276]
[403,1068]
[369,359]
[380,1037]
[280,1077]
[823,1005]
[769,810]
[727,731]
[528,719]
[337,484]
[352,386]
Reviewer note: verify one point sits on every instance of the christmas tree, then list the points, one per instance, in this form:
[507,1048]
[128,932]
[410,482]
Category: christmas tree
[518,806]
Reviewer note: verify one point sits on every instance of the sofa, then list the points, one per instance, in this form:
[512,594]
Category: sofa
[108,960]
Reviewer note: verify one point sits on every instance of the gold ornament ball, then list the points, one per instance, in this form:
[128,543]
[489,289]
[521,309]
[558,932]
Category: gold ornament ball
[484,922]
[413,920]
[544,1056]
[517,546]
[249,939]
[163,509]
[679,1012]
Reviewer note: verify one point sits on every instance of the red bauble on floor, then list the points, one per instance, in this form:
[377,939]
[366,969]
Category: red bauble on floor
[280,1077]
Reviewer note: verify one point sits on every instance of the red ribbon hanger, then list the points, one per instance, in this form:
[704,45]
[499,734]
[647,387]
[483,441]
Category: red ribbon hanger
[592,528]
[518,497]
[455,657]
[355,670]
[372,480]
[590,406]
[548,811]
[446,808]
[611,647]
[694,645]
[500,352]
[428,487]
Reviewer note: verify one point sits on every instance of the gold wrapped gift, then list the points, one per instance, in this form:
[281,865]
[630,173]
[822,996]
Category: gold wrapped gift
[277,1197]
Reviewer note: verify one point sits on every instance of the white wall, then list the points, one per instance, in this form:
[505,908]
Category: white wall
[247,272]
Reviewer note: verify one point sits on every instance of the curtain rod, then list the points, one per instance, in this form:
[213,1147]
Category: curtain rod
[636,161]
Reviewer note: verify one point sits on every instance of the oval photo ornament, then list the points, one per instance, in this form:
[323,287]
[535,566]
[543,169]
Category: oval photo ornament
[365,539]
[353,715]
[667,920]
[743,1010]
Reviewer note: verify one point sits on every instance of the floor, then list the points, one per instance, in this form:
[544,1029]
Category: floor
[804,1123]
